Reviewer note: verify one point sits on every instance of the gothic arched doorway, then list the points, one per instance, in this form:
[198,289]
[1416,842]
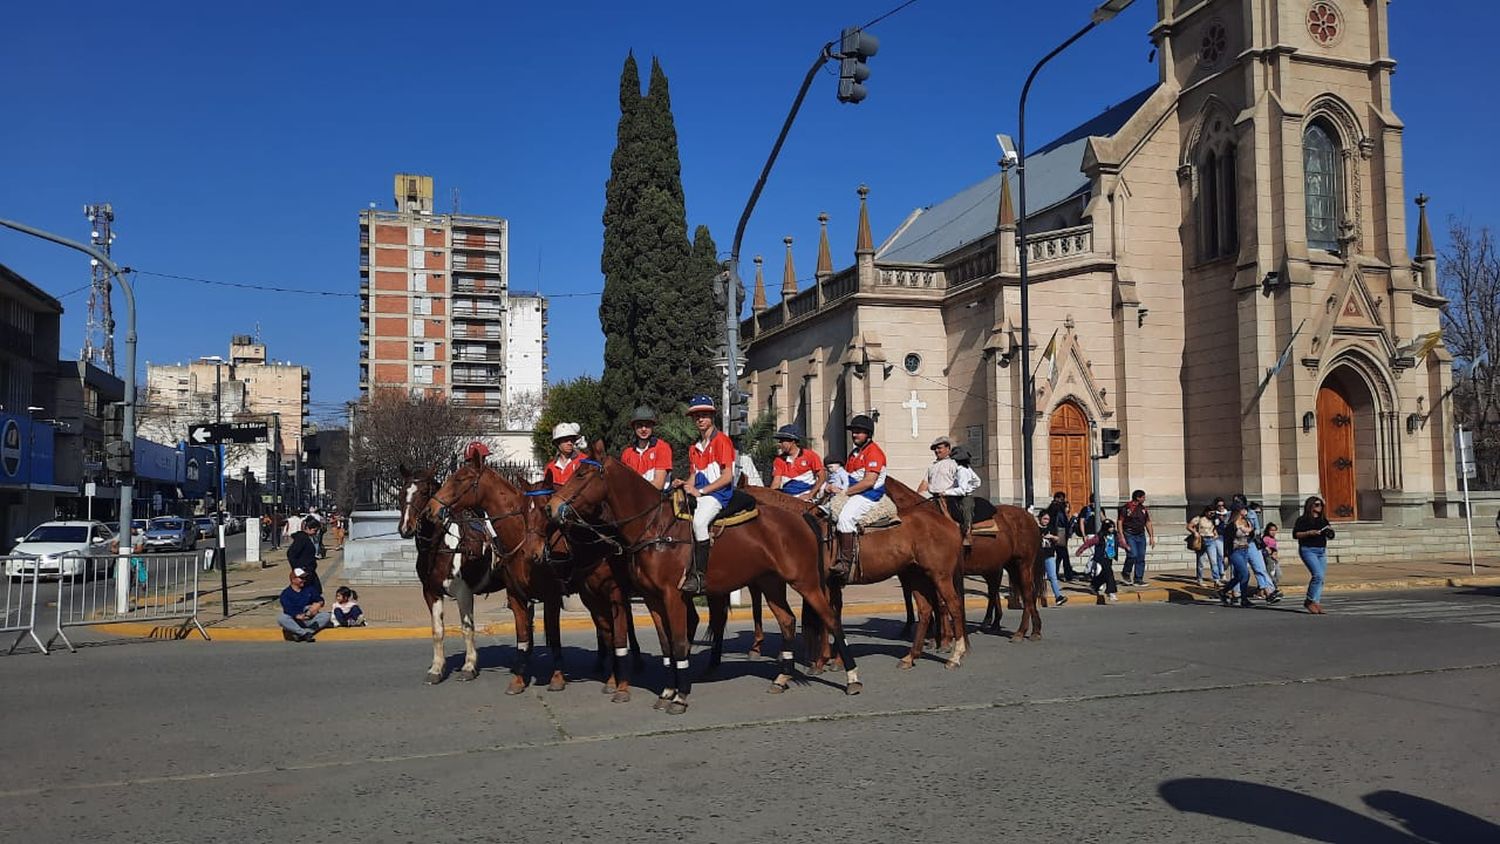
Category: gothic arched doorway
[1347,453]
[1068,442]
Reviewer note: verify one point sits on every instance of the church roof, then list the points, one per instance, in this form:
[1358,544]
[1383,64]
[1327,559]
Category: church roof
[1053,174]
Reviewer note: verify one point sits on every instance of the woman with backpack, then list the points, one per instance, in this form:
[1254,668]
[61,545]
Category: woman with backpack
[1106,547]
[1052,540]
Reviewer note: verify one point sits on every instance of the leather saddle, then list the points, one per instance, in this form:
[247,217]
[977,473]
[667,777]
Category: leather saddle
[739,510]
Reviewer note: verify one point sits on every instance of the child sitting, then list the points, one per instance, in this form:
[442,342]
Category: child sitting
[346,611]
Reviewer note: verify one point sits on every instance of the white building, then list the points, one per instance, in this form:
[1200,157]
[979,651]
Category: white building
[525,357]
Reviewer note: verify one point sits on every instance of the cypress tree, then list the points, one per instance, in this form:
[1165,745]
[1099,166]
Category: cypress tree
[617,303]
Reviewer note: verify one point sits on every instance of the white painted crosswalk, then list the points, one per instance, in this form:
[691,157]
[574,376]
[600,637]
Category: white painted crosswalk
[1485,614]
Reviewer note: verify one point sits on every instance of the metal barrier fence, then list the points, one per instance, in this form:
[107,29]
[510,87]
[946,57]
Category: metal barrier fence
[20,601]
[155,587]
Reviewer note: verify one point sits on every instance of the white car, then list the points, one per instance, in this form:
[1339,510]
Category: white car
[44,550]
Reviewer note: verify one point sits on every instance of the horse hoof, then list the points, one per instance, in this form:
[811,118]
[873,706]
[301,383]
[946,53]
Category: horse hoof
[558,683]
[755,650]
[517,685]
[777,689]
[854,689]
[906,663]
[816,668]
[433,679]
[661,703]
[952,665]
[467,674]
[1036,637]
[676,707]
[609,688]
[620,696]
[1017,638]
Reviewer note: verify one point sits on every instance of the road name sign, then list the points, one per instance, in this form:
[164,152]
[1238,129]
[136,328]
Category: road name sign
[216,433]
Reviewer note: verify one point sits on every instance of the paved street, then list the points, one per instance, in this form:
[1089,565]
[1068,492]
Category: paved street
[1147,722]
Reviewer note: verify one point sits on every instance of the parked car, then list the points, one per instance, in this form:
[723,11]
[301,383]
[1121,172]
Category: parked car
[45,549]
[171,533]
[208,527]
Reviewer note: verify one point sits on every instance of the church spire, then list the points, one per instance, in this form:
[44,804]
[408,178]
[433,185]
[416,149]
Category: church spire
[864,244]
[825,257]
[1007,215]
[758,301]
[788,273]
[1424,234]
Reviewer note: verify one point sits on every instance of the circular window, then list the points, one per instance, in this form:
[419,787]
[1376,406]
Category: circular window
[1215,44]
[1324,23]
[913,362]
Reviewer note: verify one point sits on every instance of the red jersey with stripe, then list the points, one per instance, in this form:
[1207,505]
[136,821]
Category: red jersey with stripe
[653,463]
[560,471]
[866,461]
[801,471]
[711,461]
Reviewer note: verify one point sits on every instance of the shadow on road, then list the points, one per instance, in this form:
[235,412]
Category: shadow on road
[1421,821]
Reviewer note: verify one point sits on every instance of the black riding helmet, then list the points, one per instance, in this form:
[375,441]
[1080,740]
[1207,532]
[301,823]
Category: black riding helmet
[862,423]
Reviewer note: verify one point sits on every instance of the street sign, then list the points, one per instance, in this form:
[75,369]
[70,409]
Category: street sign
[215,433]
[1464,446]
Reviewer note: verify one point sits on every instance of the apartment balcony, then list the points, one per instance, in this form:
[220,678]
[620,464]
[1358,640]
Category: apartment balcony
[476,400]
[476,332]
[470,242]
[461,312]
[481,375]
[469,263]
[479,287]
[486,356]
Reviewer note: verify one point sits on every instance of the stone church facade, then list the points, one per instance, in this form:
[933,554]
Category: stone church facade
[1248,207]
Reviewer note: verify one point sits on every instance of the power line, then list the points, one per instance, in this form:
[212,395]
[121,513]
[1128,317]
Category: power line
[888,14]
[303,291]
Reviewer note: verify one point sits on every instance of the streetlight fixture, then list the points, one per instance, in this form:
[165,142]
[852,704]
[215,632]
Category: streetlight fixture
[1103,13]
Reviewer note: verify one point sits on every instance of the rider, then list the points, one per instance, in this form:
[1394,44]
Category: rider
[711,460]
[565,440]
[797,471]
[867,467]
[476,453]
[942,481]
[649,455]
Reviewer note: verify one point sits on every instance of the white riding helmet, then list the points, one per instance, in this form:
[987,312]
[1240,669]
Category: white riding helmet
[565,431]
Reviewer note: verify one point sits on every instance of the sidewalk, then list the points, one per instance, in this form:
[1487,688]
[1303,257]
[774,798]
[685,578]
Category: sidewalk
[398,612]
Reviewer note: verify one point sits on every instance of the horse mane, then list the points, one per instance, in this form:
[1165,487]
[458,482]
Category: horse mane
[903,496]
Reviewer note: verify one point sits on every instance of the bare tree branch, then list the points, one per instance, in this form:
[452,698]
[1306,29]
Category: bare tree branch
[394,429]
[1470,279]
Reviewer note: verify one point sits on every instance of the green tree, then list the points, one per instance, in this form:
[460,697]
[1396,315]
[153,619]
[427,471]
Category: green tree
[578,401]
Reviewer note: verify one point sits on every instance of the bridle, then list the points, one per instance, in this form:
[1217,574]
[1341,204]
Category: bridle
[446,517]
[567,516]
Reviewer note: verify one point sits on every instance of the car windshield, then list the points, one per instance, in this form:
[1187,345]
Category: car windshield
[166,524]
[58,533]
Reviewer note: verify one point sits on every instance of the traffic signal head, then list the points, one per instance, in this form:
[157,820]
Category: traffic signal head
[855,49]
[1109,442]
[119,457]
[737,417]
[114,420]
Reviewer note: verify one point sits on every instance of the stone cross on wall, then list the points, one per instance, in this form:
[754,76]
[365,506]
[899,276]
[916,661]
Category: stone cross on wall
[914,404]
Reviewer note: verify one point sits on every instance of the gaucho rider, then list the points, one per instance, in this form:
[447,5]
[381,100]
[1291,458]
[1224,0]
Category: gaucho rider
[711,464]
[797,471]
[649,455]
[866,466]
[476,454]
[565,439]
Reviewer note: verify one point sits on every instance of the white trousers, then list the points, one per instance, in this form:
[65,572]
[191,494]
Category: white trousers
[703,514]
[854,510]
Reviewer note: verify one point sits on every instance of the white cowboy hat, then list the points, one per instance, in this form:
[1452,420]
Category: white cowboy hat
[565,431]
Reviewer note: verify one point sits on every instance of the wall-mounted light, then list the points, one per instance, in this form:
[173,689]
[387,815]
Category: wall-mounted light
[1308,420]
[1140,316]
[1414,423]
[1269,284]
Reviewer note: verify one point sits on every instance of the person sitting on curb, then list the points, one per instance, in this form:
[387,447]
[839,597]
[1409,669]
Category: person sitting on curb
[346,611]
[302,614]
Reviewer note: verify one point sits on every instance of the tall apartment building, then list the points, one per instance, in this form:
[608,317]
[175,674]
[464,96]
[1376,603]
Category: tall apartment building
[246,385]
[525,357]
[433,299]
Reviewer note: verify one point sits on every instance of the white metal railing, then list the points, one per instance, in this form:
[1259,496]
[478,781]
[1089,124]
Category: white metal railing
[20,601]
[151,587]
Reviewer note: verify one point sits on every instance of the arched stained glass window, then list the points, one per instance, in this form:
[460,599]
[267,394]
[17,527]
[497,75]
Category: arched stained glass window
[1320,165]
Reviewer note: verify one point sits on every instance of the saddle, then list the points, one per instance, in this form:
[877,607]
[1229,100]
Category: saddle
[740,509]
[985,528]
[883,515]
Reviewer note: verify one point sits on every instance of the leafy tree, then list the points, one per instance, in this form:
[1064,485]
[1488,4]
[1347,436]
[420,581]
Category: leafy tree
[578,401]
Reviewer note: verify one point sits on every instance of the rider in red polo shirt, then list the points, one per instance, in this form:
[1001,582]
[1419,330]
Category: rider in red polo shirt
[649,455]
[867,468]
[797,471]
[711,464]
[560,470]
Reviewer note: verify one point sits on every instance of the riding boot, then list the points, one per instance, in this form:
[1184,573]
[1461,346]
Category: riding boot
[966,510]
[840,568]
[694,581]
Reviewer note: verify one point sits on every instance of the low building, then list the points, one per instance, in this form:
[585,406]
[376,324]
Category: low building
[29,332]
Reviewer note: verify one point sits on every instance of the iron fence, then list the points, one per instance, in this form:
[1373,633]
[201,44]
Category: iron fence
[91,590]
[21,574]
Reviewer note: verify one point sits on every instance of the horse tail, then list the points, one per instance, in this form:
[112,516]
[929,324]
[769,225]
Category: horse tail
[812,524]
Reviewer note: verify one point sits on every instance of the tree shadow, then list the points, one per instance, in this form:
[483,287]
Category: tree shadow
[1424,821]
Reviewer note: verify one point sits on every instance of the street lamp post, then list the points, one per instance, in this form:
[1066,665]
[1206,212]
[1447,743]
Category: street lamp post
[1028,399]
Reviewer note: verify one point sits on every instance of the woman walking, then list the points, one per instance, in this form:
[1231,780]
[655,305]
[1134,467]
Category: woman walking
[1239,533]
[1312,533]
[1106,548]
[1052,540]
[1205,531]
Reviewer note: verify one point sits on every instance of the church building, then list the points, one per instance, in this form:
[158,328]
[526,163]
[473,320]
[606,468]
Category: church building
[1219,269]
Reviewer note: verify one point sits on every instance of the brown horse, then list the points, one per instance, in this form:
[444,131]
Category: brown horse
[922,552]
[773,551]
[532,569]
[1015,549]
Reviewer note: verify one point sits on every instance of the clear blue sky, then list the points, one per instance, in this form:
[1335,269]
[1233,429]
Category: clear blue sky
[239,141]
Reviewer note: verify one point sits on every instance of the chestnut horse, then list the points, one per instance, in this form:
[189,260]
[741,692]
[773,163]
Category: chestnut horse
[531,571]
[774,551]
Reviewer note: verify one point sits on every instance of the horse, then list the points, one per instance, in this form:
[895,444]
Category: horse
[528,568]
[922,552]
[774,551]
[454,561]
[1015,549]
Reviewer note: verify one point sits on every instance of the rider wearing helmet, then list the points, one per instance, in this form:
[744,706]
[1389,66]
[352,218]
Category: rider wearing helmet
[648,455]
[711,461]
[797,471]
[561,468]
[475,453]
[867,468]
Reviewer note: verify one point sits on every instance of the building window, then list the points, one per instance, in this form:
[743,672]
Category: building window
[912,362]
[422,374]
[1218,196]
[1320,164]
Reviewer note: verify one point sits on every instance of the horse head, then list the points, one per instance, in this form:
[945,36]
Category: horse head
[461,491]
[584,497]
[417,487]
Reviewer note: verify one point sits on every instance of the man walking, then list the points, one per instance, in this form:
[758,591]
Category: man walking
[1135,523]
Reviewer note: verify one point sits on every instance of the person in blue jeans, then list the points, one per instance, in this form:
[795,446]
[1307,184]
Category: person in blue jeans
[1312,533]
[1263,579]
[302,614]
[1239,536]
[1135,524]
[1052,539]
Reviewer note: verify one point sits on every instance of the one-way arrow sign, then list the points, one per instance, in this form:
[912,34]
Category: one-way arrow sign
[211,433]
[201,434]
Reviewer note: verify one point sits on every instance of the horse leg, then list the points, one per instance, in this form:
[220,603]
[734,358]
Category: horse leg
[552,621]
[1033,598]
[992,600]
[836,601]
[923,595]
[951,603]
[812,634]
[520,670]
[659,617]
[787,620]
[911,614]
[815,599]
[435,610]
[755,617]
[622,629]
[718,616]
[603,618]
[465,598]
[682,644]
[1018,594]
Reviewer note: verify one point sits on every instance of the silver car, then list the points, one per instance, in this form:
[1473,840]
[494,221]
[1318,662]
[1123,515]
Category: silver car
[56,549]
[171,533]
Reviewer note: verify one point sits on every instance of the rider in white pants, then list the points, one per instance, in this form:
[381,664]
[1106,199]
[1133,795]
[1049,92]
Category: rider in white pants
[867,468]
[711,483]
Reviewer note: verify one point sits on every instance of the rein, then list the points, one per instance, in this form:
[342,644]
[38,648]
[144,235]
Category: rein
[564,509]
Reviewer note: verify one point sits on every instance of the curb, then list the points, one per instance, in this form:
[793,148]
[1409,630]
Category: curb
[1153,595]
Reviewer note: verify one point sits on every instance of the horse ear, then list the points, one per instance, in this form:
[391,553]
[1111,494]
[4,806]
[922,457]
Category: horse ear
[405,472]
[596,450]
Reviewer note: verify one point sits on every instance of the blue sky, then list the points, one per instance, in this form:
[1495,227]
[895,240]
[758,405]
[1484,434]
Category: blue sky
[238,142]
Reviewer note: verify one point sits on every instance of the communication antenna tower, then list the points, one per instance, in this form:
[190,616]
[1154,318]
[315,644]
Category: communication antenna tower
[99,335]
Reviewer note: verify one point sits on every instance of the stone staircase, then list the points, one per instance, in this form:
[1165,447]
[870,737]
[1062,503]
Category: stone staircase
[1436,540]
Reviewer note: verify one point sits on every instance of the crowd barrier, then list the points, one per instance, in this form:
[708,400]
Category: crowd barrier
[20,593]
[156,587]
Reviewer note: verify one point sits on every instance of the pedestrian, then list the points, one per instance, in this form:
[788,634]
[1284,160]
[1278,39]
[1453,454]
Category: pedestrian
[346,611]
[303,553]
[1135,523]
[302,614]
[1221,520]
[1265,583]
[1106,548]
[1052,539]
[1270,547]
[322,531]
[1203,534]
[1240,536]
[1312,532]
[1063,523]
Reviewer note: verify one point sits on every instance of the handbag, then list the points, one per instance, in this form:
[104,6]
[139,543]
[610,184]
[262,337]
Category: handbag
[1194,542]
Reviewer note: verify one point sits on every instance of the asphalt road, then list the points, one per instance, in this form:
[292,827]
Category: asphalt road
[1373,724]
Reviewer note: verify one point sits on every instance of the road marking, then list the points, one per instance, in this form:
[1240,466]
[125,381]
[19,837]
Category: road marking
[733,726]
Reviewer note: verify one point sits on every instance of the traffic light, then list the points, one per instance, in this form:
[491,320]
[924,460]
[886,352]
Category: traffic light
[855,49]
[737,419]
[119,457]
[114,421]
[1109,442]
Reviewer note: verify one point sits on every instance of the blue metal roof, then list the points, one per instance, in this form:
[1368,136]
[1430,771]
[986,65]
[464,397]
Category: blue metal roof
[1053,175]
